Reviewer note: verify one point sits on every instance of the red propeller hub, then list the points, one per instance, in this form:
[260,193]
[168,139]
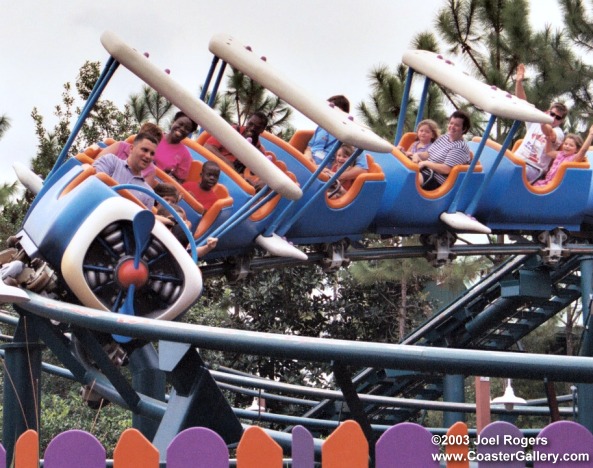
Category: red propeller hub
[127,275]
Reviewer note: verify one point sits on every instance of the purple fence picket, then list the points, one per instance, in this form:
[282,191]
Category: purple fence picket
[303,455]
[492,442]
[407,445]
[563,438]
[197,447]
[74,449]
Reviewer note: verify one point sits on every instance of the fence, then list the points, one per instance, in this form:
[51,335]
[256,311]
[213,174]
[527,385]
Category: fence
[406,445]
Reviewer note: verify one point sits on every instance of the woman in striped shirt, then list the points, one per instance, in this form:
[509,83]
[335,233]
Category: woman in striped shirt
[446,152]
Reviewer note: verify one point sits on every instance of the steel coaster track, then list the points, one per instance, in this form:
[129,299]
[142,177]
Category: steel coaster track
[415,385]
[258,263]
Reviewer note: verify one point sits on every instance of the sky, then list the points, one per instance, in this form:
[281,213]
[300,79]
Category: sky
[327,46]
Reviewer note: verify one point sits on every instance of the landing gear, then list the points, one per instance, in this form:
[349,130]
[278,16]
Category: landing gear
[335,256]
[237,268]
[554,242]
[116,355]
[440,245]
[18,271]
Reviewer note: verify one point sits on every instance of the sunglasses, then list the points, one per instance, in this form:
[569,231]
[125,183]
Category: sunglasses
[556,116]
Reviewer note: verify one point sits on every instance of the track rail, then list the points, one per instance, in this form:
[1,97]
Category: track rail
[366,354]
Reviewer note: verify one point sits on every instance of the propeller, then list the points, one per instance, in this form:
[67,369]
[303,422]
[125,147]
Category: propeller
[131,272]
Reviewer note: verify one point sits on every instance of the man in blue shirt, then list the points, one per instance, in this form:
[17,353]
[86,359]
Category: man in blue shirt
[321,142]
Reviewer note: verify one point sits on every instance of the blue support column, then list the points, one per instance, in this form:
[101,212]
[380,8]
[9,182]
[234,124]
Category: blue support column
[195,399]
[22,386]
[585,391]
[453,392]
[149,380]
[401,120]
[423,99]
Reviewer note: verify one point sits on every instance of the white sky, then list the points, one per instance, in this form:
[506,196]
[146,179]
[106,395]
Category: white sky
[328,47]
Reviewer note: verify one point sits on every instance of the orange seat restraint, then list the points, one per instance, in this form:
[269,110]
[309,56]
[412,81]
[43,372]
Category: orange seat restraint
[374,173]
[553,184]
[198,147]
[449,181]
[300,139]
[84,175]
[407,139]
[111,182]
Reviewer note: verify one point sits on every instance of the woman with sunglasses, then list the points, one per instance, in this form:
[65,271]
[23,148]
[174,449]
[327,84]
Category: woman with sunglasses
[532,149]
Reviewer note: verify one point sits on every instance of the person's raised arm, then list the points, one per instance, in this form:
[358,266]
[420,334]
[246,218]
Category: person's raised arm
[551,138]
[519,77]
[549,149]
[581,153]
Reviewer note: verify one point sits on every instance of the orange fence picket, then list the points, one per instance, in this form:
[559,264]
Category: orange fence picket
[258,450]
[133,450]
[26,450]
[457,438]
[346,446]
[403,445]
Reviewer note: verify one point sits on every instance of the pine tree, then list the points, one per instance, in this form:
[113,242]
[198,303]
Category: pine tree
[149,105]
[105,120]
[7,193]
[4,124]
[556,71]
[245,96]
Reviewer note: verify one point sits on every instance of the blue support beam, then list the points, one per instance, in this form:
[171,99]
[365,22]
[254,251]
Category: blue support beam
[585,391]
[149,380]
[22,386]
[196,400]
[453,392]
[391,356]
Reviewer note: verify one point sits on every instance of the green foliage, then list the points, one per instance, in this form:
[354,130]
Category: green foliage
[105,120]
[578,21]
[11,210]
[305,301]
[11,219]
[381,112]
[8,191]
[7,194]
[555,71]
[64,412]
[4,124]
[62,409]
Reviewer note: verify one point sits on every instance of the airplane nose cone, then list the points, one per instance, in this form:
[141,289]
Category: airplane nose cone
[127,275]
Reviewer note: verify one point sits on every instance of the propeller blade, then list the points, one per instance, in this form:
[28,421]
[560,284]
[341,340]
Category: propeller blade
[127,308]
[143,223]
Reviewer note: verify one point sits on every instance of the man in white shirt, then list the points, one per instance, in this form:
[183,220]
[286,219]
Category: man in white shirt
[532,148]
